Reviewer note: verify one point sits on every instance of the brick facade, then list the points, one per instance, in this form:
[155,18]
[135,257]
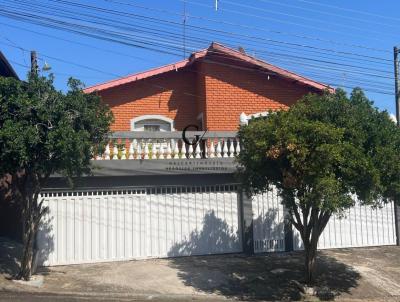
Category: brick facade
[220,88]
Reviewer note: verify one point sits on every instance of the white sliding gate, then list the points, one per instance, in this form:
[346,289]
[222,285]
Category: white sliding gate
[109,225]
[360,226]
[268,222]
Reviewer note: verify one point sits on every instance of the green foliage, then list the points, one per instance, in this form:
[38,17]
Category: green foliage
[45,131]
[319,154]
[323,150]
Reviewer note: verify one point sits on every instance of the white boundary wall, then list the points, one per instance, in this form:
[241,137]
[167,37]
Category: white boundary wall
[360,226]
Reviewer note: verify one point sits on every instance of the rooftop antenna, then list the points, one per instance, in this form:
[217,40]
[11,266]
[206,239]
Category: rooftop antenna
[184,29]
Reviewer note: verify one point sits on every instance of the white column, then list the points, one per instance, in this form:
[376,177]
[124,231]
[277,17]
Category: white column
[131,149]
[237,146]
[218,150]
[225,148]
[115,150]
[168,151]
[176,149]
[107,152]
[231,148]
[139,150]
[197,150]
[153,151]
[146,149]
[212,148]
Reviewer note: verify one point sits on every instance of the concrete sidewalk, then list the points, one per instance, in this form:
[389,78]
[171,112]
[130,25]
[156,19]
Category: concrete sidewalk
[368,274]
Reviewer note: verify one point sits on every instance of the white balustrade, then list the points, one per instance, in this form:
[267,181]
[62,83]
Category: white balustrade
[197,151]
[139,151]
[231,148]
[164,148]
[146,150]
[176,150]
[212,149]
[107,152]
[225,149]
[237,147]
[123,153]
[218,149]
[153,151]
[168,151]
[115,150]
[131,149]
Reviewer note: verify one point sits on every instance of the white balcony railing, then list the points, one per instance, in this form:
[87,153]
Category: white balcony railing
[170,145]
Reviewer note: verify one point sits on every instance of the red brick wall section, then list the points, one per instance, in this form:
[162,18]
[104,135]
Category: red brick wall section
[171,94]
[230,92]
[221,92]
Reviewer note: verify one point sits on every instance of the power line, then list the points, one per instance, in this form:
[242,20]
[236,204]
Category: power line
[308,19]
[328,13]
[316,60]
[349,10]
[374,75]
[282,21]
[301,36]
[255,38]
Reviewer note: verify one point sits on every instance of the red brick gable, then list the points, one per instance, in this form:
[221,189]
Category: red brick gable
[217,84]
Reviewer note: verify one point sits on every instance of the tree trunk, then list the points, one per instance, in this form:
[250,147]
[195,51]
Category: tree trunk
[28,252]
[309,264]
[31,214]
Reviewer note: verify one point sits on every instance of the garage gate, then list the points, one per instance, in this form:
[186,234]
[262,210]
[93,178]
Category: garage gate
[104,225]
[357,227]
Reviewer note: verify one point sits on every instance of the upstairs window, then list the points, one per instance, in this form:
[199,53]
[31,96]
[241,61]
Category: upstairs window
[154,123]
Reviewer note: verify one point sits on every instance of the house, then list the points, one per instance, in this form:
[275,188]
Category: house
[210,89]
[158,191]
[6,69]
[8,210]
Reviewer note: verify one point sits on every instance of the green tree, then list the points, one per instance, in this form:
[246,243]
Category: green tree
[45,131]
[320,154]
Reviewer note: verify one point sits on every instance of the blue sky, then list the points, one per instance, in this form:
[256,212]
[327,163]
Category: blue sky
[344,43]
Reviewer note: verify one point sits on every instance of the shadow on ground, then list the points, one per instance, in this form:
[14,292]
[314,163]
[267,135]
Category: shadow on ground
[10,253]
[269,276]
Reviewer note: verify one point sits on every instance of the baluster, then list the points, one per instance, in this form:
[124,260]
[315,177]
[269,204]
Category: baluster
[123,150]
[107,152]
[190,151]
[169,151]
[153,151]
[139,150]
[146,150]
[212,148]
[225,148]
[231,148]
[115,150]
[98,155]
[218,150]
[185,148]
[176,149]
[197,150]
[237,147]
[206,150]
[131,149]
[161,151]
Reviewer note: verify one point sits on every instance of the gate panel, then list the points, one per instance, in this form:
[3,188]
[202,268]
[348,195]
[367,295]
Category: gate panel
[360,226]
[268,222]
[95,226]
